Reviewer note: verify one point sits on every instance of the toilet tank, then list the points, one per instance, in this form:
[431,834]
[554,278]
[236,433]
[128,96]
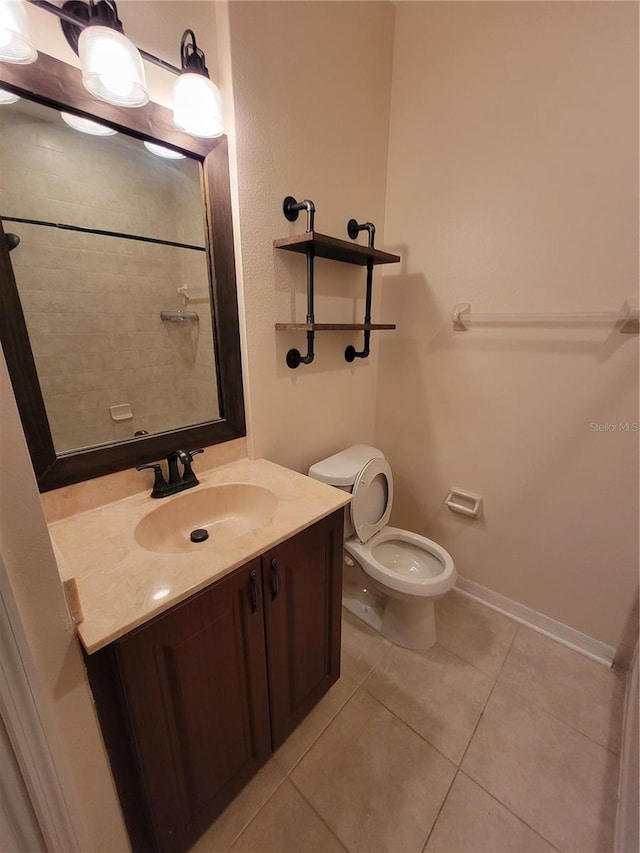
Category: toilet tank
[341,470]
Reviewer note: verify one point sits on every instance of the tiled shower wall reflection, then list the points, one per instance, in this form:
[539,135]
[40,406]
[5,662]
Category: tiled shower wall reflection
[92,303]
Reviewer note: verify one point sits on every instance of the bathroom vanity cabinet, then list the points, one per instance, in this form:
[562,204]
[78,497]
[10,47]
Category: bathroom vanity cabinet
[194,702]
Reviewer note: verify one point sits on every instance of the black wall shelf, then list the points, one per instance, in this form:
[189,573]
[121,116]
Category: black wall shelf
[335,327]
[335,249]
[314,245]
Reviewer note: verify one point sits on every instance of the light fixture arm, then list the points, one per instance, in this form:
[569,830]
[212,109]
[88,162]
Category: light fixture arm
[103,12]
[191,56]
[74,20]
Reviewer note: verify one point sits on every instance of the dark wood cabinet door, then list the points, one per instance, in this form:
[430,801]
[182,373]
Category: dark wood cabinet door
[195,687]
[302,582]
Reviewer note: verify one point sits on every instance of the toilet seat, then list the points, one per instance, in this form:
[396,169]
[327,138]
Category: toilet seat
[434,573]
[372,498]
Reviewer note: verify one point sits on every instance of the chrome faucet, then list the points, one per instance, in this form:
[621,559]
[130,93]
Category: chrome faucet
[176,481]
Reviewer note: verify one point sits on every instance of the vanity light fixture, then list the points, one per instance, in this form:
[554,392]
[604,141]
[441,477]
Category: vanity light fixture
[15,41]
[86,125]
[197,104]
[112,67]
[162,151]
[8,97]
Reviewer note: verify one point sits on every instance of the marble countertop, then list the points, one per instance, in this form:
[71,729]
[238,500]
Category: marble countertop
[121,585]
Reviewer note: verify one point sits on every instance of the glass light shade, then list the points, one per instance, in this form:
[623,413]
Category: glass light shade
[161,151]
[197,106]
[8,97]
[112,67]
[85,125]
[15,41]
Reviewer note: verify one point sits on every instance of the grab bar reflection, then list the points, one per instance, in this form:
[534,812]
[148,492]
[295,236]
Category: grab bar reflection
[627,317]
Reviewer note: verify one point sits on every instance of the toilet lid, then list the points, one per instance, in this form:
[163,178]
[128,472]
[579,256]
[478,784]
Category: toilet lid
[372,498]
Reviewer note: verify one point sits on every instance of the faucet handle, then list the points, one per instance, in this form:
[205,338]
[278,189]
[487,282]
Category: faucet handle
[160,485]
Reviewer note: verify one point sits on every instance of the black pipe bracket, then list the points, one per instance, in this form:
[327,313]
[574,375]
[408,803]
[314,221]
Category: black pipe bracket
[353,229]
[291,209]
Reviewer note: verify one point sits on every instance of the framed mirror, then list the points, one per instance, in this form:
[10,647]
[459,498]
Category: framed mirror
[118,302]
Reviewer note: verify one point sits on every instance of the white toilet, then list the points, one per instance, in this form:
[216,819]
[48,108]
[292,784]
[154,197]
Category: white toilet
[408,571]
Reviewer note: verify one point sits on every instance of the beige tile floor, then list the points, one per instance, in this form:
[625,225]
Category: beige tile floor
[497,740]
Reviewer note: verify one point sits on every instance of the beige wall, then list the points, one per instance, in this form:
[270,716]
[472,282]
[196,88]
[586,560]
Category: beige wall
[513,185]
[311,88]
[56,668]
[58,674]
[334,100]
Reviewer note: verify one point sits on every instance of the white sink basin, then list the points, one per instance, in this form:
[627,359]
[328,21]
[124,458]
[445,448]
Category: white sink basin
[225,512]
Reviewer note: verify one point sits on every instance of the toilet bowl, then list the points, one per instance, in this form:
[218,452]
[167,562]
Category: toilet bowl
[412,571]
[408,571]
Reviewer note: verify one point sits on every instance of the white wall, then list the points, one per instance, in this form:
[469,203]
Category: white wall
[513,185]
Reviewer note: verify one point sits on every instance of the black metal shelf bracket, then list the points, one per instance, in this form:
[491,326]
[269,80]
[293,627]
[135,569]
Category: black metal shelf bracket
[315,245]
[353,229]
[291,209]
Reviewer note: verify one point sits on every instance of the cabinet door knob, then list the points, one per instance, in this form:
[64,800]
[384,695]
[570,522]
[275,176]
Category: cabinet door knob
[275,580]
[255,592]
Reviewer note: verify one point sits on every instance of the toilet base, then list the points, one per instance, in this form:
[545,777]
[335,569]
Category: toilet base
[360,598]
[406,623]
[412,626]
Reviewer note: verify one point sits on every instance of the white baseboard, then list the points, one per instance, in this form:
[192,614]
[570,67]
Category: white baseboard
[626,835]
[570,637]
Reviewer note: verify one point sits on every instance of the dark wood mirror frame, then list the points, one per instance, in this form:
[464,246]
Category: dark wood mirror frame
[58,85]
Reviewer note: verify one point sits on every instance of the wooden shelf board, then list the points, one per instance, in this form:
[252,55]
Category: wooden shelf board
[337,250]
[335,327]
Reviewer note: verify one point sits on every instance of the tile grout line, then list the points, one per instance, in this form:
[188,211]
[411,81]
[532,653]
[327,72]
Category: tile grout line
[469,663]
[362,687]
[409,726]
[318,736]
[511,812]
[544,710]
[459,766]
[287,775]
[319,816]
[519,627]
[522,698]
[553,716]
[484,708]
[373,698]
[254,815]
[444,800]
[394,714]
